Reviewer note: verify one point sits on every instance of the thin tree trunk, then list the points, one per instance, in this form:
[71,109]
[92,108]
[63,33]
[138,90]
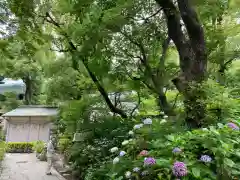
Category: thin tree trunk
[164,105]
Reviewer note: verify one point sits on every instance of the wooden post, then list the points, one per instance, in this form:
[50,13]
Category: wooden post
[38,131]
[8,129]
[29,123]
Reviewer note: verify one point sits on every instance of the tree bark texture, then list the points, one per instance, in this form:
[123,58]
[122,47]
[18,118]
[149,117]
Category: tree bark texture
[28,92]
[192,54]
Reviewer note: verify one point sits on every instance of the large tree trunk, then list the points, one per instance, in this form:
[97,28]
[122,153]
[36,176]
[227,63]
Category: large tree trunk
[193,59]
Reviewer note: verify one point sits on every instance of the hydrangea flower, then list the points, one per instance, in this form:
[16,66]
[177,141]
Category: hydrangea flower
[130,132]
[128,174]
[232,126]
[122,153]
[114,149]
[143,153]
[176,150]
[136,169]
[125,142]
[205,158]
[144,173]
[138,126]
[165,117]
[161,113]
[116,160]
[163,121]
[147,121]
[149,161]
[179,169]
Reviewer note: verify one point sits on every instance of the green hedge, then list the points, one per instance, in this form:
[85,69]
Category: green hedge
[20,147]
[38,146]
[2,149]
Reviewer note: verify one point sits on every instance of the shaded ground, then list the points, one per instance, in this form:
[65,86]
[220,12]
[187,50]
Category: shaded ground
[25,167]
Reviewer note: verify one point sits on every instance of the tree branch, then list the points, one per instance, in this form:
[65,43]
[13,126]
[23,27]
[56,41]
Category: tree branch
[100,88]
[137,105]
[175,101]
[165,46]
[60,50]
[139,45]
[154,14]
[223,67]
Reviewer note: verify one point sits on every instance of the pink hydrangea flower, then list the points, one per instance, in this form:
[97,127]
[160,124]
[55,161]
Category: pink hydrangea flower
[143,153]
[179,169]
[232,126]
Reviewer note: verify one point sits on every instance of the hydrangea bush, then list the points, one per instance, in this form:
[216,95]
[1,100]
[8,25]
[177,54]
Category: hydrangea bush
[208,153]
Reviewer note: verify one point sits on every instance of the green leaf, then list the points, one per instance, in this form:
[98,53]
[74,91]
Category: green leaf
[163,162]
[170,137]
[196,172]
[229,162]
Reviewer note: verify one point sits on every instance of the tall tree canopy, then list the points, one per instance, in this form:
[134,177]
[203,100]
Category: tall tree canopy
[119,46]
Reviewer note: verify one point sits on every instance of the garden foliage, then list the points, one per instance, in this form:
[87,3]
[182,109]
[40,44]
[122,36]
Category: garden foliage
[2,150]
[152,153]
[20,147]
[115,68]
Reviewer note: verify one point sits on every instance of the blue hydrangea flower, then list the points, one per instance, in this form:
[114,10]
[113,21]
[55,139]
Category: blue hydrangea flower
[136,169]
[122,153]
[205,158]
[176,150]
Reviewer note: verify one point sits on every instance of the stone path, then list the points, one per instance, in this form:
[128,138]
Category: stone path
[25,167]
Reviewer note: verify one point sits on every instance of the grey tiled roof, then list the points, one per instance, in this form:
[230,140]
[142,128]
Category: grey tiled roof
[32,111]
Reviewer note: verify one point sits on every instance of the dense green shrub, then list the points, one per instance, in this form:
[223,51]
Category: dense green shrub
[63,144]
[20,147]
[2,149]
[2,136]
[38,146]
[208,153]
[220,104]
[89,155]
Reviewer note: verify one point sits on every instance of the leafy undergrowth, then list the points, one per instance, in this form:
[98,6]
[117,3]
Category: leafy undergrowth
[152,153]
[2,150]
[19,147]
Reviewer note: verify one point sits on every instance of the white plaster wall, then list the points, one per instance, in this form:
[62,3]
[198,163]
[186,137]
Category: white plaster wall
[25,129]
[17,132]
[44,132]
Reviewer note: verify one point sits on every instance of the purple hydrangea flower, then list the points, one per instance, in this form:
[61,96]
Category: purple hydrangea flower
[205,158]
[149,161]
[232,126]
[176,150]
[179,169]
